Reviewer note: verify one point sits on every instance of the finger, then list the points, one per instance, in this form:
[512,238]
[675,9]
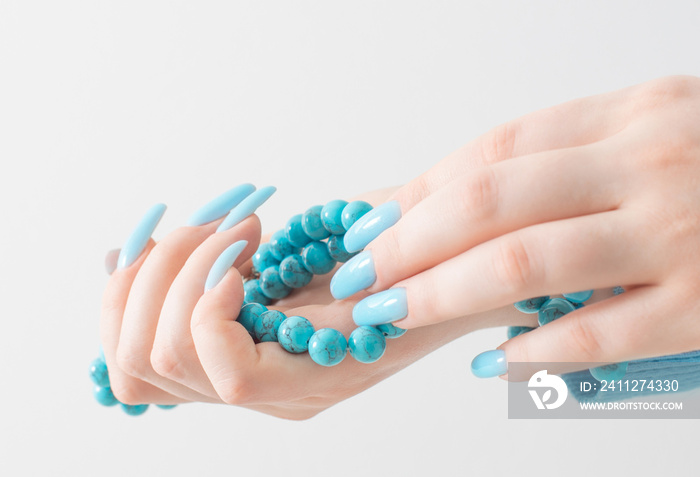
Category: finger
[629,326]
[482,205]
[173,355]
[111,260]
[581,253]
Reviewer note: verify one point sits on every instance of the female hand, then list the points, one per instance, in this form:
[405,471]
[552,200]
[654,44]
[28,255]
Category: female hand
[594,193]
[167,341]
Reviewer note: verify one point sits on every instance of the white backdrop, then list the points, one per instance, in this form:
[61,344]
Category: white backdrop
[109,107]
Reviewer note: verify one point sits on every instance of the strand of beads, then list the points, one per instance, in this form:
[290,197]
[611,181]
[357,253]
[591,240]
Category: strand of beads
[549,309]
[310,244]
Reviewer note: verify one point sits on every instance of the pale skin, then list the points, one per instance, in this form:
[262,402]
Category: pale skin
[590,194]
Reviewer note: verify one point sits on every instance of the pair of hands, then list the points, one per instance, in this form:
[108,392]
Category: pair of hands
[591,194]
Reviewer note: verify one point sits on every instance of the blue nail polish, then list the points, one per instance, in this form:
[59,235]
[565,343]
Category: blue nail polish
[223,264]
[139,237]
[383,307]
[357,274]
[221,206]
[247,206]
[490,364]
[369,226]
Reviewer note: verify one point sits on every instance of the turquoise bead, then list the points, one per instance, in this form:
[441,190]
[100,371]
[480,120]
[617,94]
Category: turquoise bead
[102,354]
[266,327]
[578,297]
[316,258]
[253,294]
[135,410]
[337,250]
[577,305]
[328,347]
[390,331]
[294,334]
[263,258]
[610,372]
[98,373]
[531,305]
[104,396]
[514,331]
[249,314]
[332,216]
[353,211]
[166,406]
[618,290]
[271,284]
[293,272]
[295,232]
[553,309]
[280,246]
[366,344]
[312,224]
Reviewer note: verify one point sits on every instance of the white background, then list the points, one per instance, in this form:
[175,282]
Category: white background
[109,107]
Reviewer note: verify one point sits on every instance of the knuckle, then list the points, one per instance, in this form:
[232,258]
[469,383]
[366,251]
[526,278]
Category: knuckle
[479,194]
[130,362]
[165,363]
[587,340]
[514,264]
[126,393]
[500,143]
[236,391]
[667,89]
[414,192]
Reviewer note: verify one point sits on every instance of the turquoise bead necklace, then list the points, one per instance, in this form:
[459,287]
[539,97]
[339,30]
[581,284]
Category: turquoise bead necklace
[310,244]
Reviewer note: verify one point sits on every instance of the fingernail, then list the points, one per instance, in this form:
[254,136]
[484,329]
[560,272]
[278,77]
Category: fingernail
[355,275]
[490,364]
[369,226]
[139,237]
[221,206]
[223,264]
[111,260]
[246,207]
[383,307]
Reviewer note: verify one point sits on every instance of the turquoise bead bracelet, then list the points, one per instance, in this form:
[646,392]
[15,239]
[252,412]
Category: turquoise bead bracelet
[549,309]
[310,244]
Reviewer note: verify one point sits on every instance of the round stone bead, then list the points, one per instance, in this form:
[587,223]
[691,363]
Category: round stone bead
[166,406]
[328,347]
[531,305]
[316,258]
[618,290]
[390,331]
[98,373]
[312,224]
[280,246]
[104,396]
[253,294]
[610,372]
[262,258]
[337,250]
[366,344]
[293,272]
[249,314]
[553,309]
[294,334]
[514,331]
[353,211]
[135,410]
[332,216]
[271,284]
[266,327]
[578,297]
[295,232]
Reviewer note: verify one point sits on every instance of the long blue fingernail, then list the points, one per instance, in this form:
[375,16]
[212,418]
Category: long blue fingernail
[221,206]
[369,226]
[223,264]
[355,275]
[246,207]
[139,237]
[490,364]
[383,307]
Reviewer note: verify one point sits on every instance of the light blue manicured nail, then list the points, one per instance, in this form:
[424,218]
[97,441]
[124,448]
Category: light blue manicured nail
[355,275]
[221,206]
[369,226]
[383,307]
[139,237]
[246,207]
[223,264]
[490,364]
